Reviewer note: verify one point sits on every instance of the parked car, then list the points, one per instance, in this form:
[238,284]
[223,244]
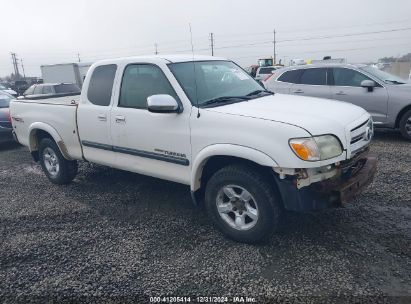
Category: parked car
[263,73]
[5,120]
[385,96]
[8,90]
[246,152]
[49,90]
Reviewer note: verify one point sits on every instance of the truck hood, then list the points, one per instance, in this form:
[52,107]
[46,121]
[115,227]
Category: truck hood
[317,116]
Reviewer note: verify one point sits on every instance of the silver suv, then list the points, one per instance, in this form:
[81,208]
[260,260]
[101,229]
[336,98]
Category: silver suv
[386,97]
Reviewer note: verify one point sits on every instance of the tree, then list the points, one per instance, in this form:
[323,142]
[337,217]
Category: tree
[404,58]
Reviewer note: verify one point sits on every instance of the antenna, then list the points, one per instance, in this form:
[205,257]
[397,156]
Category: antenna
[194,70]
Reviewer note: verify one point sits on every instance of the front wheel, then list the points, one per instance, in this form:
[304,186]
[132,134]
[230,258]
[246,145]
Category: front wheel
[58,169]
[405,125]
[242,203]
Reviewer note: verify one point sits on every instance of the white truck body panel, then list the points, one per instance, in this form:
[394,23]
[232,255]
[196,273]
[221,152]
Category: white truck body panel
[58,118]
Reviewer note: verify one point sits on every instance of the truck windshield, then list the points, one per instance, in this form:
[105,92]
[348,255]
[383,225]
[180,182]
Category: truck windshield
[66,88]
[205,81]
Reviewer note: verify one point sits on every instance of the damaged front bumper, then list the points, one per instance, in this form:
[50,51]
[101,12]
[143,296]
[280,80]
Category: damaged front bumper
[349,179]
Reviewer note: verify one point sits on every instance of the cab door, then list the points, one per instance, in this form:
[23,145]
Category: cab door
[313,82]
[155,144]
[347,87]
[93,115]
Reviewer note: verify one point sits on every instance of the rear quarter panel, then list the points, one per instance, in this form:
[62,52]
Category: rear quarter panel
[56,117]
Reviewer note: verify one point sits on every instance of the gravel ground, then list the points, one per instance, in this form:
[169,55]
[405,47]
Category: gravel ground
[114,236]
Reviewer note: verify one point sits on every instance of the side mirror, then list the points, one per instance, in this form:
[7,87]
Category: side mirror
[162,103]
[369,84]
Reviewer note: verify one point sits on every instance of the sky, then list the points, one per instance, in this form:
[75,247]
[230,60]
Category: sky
[60,31]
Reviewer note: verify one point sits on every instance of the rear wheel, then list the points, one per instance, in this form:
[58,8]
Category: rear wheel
[58,169]
[405,125]
[242,204]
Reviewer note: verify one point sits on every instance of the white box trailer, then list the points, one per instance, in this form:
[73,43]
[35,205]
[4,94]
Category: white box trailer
[65,73]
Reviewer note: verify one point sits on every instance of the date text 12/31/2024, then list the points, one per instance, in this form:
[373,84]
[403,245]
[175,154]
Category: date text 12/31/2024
[200,299]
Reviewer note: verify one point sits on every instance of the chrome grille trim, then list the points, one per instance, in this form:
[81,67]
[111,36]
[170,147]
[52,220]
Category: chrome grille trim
[361,136]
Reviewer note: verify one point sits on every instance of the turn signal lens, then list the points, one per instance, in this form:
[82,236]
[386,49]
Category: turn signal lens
[316,148]
[305,148]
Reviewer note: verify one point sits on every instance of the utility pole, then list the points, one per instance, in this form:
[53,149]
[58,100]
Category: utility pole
[156,49]
[15,65]
[78,56]
[22,66]
[212,43]
[274,58]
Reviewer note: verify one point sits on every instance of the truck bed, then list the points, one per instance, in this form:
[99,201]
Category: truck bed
[58,115]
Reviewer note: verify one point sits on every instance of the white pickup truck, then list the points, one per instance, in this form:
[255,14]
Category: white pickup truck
[247,153]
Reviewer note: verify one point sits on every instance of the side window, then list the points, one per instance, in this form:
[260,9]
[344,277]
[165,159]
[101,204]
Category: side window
[292,76]
[141,81]
[348,77]
[38,90]
[47,90]
[101,84]
[314,76]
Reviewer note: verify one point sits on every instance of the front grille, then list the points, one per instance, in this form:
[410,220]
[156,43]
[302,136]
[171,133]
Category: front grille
[361,136]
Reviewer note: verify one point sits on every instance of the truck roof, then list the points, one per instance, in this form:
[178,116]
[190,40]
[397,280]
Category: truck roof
[163,58]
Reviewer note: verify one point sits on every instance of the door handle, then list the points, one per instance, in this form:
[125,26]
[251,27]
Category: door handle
[340,93]
[298,91]
[120,118]
[102,117]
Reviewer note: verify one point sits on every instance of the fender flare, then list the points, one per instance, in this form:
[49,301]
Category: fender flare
[238,151]
[33,144]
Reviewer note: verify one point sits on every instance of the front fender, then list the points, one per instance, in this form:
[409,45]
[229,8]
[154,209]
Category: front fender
[239,151]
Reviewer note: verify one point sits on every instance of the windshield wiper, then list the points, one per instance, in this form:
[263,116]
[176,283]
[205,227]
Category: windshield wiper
[224,100]
[257,92]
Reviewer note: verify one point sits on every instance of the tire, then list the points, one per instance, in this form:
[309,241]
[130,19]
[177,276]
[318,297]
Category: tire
[405,125]
[263,201]
[50,157]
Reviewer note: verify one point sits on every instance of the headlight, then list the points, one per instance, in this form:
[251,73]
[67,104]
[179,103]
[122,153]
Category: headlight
[316,148]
